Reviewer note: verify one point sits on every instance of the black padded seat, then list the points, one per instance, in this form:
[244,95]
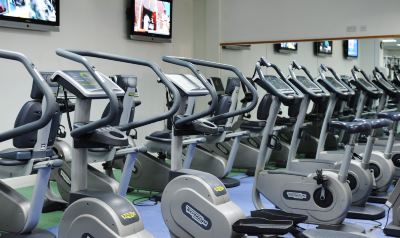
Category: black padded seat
[375,123]
[160,136]
[394,116]
[252,125]
[351,127]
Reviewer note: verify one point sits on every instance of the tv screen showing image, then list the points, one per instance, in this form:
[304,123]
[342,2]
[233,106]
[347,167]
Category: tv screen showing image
[351,48]
[286,47]
[30,14]
[152,20]
[323,47]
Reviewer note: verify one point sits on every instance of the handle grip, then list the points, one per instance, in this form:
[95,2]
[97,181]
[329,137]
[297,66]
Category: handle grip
[77,56]
[51,104]
[156,69]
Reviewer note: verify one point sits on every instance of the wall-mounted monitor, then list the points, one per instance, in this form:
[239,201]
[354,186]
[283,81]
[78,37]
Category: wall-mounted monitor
[151,20]
[42,15]
[322,48]
[286,47]
[350,48]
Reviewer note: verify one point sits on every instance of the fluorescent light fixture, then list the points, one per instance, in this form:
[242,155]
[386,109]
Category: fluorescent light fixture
[398,44]
[389,40]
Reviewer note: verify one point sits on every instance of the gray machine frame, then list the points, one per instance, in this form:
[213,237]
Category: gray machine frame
[21,216]
[298,188]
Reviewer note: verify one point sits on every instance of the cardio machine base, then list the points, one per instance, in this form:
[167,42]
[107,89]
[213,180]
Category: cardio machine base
[311,233]
[380,199]
[344,227]
[392,230]
[368,212]
[37,233]
[230,182]
[256,226]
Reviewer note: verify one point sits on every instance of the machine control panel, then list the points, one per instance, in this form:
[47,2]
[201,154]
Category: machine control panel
[367,84]
[279,84]
[306,82]
[336,84]
[83,85]
[386,83]
[189,84]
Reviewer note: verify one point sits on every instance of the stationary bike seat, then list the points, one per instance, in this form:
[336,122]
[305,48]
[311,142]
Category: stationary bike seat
[375,123]
[160,136]
[252,125]
[256,226]
[274,214]
[394,116]
[351,127]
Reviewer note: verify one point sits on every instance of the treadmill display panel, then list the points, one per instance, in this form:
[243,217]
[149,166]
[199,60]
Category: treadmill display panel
[336,84]
[307,83]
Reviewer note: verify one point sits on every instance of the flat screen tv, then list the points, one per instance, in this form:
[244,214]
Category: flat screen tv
[286,47]
[323,48]
[42,15]
[151,20]
[350,48]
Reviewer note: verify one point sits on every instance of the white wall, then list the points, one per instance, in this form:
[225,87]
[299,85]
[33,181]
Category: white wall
[92,25]
[268,20]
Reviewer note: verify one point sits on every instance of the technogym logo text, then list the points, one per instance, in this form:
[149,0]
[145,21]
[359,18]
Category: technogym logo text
[64,176]
[296,195]
[196,216]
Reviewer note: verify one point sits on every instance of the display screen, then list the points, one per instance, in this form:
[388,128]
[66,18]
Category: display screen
[307,82]
[366,84]
[289,45]
[351,48]
[152,18]
[277,83]
[335,83]
[286,47]
[324,47]
[30,11]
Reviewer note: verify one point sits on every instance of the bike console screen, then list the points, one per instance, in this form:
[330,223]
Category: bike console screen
[83,85]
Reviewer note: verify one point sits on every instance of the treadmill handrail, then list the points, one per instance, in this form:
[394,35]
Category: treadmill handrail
[354,72]
[77,56]
[51,104]
[249,106]
[323,68]
[270,88]
[162,78]
[293,66]
[214,97]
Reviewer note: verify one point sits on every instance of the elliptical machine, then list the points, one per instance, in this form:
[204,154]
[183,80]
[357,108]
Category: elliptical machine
[19,216]
[323,196]
[195,203]
[94,213]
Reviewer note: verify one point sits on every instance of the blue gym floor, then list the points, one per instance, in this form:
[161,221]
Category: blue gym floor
[151,214]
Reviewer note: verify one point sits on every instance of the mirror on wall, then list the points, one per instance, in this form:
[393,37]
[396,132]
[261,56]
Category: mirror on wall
[341,55]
